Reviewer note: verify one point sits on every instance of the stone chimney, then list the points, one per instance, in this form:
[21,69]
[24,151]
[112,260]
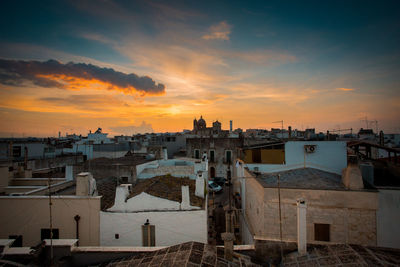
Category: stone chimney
[228,239]
[185,204]
[352,177]
[301,226]
[85,184]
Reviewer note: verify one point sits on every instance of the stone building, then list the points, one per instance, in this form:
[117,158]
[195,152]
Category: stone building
[334,213]
[340,209]
[221,151]
[200,127]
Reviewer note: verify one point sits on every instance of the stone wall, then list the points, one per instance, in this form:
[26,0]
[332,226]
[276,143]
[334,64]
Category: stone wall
[220,146]
[351,214]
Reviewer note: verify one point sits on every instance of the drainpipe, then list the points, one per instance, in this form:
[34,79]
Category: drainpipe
[77,218]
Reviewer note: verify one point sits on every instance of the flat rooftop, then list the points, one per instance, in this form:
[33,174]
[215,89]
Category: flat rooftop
[302,178]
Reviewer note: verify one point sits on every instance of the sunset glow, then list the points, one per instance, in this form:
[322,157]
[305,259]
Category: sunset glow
[106,64]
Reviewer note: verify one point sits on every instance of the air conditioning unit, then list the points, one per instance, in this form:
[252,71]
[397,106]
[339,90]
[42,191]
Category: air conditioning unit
[310,148]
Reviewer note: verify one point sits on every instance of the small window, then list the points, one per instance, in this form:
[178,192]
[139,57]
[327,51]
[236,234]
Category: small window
[321,232]
[212,156]
[196,153]
[149,235]
[256,155]
[45,233]
[16,151]
[228,156]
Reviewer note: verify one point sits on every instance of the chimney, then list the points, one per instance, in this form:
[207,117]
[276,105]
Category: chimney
[381,138]
[85,184]
[352,177]
[199,185]
[290,131]
[165,153]
[185,204]
[301,226]
[228,245]
[69,175]
[25,158]
[230,125]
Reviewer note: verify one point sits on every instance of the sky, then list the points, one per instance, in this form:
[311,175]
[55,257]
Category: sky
[143,66]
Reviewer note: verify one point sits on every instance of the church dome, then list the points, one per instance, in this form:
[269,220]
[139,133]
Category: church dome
[201,122]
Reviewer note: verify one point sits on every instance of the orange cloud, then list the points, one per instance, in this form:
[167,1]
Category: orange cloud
[345,89]
[220,31]
[77,83]
[53,74]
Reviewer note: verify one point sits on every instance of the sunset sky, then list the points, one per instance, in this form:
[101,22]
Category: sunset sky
[141,66]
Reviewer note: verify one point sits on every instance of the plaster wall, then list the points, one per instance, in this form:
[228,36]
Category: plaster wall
[35,150]
[330,156]
[171,227]
[388,218]
[26,216]
[109,154]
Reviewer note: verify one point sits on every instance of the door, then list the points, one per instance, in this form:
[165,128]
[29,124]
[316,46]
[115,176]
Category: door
[212,172]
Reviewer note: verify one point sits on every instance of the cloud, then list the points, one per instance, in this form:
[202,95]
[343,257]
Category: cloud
[133,129]
[85,102]
[75,76]
[220,31]
[345,89]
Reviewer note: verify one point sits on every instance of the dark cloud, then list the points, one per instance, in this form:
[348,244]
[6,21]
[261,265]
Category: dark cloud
[52,73]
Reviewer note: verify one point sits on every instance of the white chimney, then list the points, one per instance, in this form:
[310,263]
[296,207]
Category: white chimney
[185,204]
[85,184]
[301,226]
[165,154]
[199,185]
[69,173]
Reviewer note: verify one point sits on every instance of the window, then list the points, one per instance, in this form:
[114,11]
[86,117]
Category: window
[196,153]
[18,240]
[45,233]
[321,232]
[256,155]
[212,156]
[228,156]
[17,151]
[148,235]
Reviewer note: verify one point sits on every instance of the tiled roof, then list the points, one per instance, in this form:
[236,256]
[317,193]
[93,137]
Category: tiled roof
[165,186]
[186,254]
[344,255]
[106,188]
[305,178]
[168,187]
